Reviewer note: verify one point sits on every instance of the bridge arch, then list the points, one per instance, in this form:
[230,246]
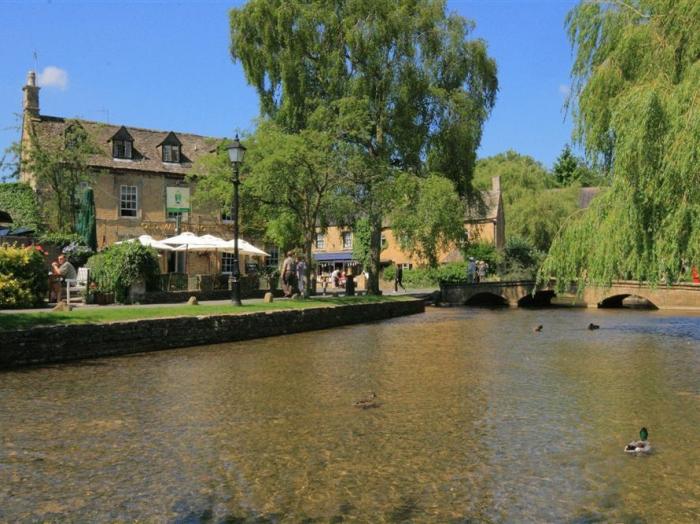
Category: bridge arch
[541,298]
[486,299]
[627,300]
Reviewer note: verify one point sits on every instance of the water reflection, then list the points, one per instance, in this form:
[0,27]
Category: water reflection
[481,420]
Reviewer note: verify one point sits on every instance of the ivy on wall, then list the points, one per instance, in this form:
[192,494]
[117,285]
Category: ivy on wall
[18,199]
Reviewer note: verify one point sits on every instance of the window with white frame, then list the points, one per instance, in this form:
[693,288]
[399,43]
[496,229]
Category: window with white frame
[347,240]
[227,261]
[320,241]
[128,201]
[384,241]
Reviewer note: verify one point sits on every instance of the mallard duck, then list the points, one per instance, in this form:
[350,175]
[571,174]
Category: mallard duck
[367,403]
[537,329]
[640,446]
[593,326]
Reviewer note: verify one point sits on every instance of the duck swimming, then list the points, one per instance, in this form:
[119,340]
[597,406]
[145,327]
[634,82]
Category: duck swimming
[593,326]
[640,446]
[538,329]
[367,403]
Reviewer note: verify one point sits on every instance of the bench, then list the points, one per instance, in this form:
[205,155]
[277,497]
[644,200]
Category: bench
[78,284]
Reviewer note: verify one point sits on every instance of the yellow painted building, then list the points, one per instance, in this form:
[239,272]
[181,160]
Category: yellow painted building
[484,221]
[139,182]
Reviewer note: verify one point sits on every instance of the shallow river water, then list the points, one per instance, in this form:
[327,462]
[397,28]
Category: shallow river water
[480,420]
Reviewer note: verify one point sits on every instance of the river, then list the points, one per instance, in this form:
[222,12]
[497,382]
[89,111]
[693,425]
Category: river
[480,420]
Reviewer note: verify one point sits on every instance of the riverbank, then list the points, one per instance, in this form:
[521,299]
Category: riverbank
[48,337]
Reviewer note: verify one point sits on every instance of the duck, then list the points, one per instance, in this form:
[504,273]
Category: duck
[593,326]
[367,403]
[640,446]
[538,328]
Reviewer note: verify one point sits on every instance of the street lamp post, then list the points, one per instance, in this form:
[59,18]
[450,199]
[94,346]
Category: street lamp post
[236,152]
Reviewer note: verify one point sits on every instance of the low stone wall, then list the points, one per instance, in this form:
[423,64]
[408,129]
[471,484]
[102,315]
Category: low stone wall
[51,344]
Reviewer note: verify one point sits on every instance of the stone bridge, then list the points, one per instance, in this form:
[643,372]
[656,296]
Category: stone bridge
[619,294]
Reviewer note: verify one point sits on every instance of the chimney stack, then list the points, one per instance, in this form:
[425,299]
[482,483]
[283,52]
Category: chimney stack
[30,104]
[496,183]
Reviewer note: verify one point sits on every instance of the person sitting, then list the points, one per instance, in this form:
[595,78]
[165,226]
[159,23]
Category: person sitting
[61,270]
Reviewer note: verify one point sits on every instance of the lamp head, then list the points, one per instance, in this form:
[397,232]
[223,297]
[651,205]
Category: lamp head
[236,151]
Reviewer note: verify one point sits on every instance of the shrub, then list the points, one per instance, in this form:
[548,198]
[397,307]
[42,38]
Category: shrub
[429,277]
[77,254]
[484,251]
[61,239]
[119,266]
[70,244]
[23,277]
[521,259]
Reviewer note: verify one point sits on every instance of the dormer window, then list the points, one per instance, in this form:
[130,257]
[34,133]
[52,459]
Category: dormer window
[171,149]
[121,149]
[171,153]
[122,144]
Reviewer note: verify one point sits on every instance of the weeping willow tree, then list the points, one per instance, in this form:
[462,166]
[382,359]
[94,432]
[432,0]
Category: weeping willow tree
[636,107]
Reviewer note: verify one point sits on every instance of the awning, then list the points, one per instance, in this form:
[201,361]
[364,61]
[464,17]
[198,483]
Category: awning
[338,256]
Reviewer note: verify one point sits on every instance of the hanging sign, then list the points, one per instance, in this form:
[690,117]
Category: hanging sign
[177,199]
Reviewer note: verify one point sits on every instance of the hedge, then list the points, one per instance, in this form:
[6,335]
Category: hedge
[119,266]
[23,277]
[18,199]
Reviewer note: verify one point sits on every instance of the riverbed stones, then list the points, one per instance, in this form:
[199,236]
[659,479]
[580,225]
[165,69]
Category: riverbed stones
[268,298]
[193,301]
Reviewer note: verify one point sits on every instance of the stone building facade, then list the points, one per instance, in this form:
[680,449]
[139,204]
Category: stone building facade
[139,182]
[484,221]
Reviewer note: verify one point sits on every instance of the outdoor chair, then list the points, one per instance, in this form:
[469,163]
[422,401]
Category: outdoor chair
[78,284]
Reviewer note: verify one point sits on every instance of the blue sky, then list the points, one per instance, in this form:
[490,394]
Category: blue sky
[165,65]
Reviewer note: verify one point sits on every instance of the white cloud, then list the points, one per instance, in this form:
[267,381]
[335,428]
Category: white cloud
[564,89]
[53,76]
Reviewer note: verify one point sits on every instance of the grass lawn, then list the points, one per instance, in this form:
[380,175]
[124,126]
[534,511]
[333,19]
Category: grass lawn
[98,315]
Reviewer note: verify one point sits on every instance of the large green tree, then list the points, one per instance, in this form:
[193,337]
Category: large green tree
[636,79]
[212,175]
[535,208]
[568,169]
[397,82]
[428,216]
[295,179]
[290,186]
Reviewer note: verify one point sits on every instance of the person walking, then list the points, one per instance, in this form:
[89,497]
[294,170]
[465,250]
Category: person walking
[481,268]
[471,270]
[398,279]
[288,274]
[301,274]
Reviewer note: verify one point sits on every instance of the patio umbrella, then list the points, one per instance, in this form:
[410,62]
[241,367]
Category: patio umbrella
[86,219]
[149,241]
[194,243]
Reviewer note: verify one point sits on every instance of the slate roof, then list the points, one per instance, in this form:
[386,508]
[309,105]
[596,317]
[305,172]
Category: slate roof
[147,155]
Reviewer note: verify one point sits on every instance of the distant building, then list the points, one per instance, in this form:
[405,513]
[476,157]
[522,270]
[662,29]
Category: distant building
[140,184]
[484,221]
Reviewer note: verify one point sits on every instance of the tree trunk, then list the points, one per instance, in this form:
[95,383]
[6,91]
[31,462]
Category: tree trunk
[308,243]
[375,251]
